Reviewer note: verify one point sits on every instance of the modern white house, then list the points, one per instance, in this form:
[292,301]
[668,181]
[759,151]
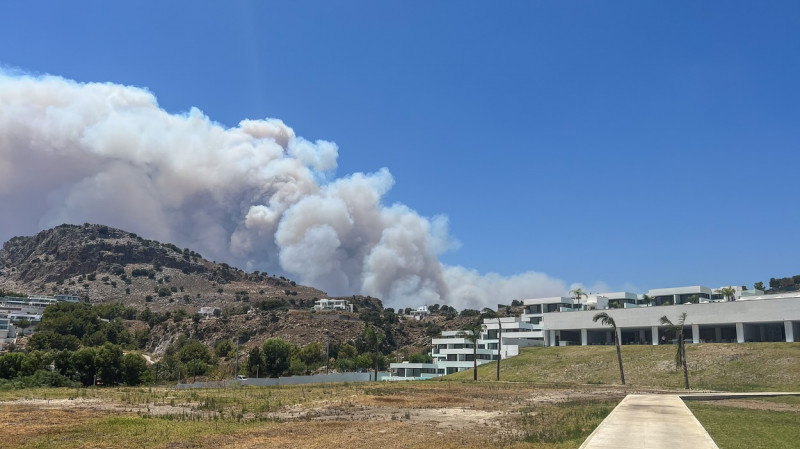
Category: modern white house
[562,321]
[7,331]
[420,313]
[30,308]
[329,305]
[207,312]
[453,351]
[751,318]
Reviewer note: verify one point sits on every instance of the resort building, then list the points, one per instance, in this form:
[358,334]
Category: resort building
[751,316]
[327,305]
[454,351]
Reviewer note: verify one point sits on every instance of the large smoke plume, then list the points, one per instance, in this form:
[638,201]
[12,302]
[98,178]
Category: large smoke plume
[255,195]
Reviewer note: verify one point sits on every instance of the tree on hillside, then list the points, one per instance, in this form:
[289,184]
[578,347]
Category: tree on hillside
[276,354]
[680,356]
[578,292]
[727,292]
[472,332]
[254,362]
[606,320]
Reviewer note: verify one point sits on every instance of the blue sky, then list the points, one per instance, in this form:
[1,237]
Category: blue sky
[641,144]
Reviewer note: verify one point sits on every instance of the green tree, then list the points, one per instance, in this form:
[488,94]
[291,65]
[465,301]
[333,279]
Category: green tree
[578,292]
[373,337]
[51,340]
[727,292]
[34,361]
[109,364]
[680,355]
[311,354]
[11,365]
[193,349]
[472,332]
[254,362]
[759,286]
[83,361]
[276,354]
[133,368]
[606,320]
[224,348]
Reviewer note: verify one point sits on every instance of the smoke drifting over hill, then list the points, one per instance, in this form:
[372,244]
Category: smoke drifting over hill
[255,195]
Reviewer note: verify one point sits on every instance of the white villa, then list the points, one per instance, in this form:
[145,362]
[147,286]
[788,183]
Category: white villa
[420,313]
[751,316]
[324,305]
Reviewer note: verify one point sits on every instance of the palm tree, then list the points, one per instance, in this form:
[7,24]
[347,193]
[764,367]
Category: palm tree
[578,292]
[680,356]
[608,321]
[472,332]
[374,337]
[727,292]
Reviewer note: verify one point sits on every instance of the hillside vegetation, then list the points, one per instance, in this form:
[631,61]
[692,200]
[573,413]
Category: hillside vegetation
[713,366]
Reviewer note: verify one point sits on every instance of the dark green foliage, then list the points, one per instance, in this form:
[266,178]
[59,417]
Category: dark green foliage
[276,354]
[255,362]
[11,365]
[224,348]
[66,318]
[470,312]
[109,364]
[271,304]
[421,358]
[83,362]
[191,350]
[50,340]
[133,367]
[312,355]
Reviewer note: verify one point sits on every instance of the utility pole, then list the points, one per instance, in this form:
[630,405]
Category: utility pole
[499,345]
[327,353]
[236,369]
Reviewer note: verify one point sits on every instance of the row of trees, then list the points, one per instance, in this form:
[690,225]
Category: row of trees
[677,328]
[277,357]
[106,364]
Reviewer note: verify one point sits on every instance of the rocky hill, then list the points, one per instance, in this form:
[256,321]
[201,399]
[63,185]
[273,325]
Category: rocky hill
[104,265]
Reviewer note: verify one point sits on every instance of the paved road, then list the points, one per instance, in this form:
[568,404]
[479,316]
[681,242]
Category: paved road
[650,421]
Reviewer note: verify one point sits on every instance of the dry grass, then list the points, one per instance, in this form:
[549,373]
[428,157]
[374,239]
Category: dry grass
[420,414]
[725,367]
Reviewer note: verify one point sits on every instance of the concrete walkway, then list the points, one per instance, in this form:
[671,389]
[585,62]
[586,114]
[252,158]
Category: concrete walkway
[650,421]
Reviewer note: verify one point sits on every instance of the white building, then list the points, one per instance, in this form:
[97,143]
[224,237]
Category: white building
[420,313]
[207,312]
[751,318]
[324,304]
[453,351]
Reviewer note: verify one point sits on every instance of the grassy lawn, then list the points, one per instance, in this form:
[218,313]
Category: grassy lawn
[713,366]
[746,428]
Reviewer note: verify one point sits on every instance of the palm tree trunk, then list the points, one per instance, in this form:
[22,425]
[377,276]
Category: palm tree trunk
[619,358]
[475,360]
[499,346]
[685,369]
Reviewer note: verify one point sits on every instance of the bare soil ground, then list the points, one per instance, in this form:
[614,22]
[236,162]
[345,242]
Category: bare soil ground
[431,415]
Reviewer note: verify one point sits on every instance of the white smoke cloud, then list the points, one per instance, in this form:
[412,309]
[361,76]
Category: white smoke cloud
[255,195]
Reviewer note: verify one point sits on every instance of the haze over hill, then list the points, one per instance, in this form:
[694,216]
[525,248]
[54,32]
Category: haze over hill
[256,196]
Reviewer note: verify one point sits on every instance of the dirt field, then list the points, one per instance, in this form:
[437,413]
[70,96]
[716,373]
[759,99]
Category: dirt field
[399,415]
